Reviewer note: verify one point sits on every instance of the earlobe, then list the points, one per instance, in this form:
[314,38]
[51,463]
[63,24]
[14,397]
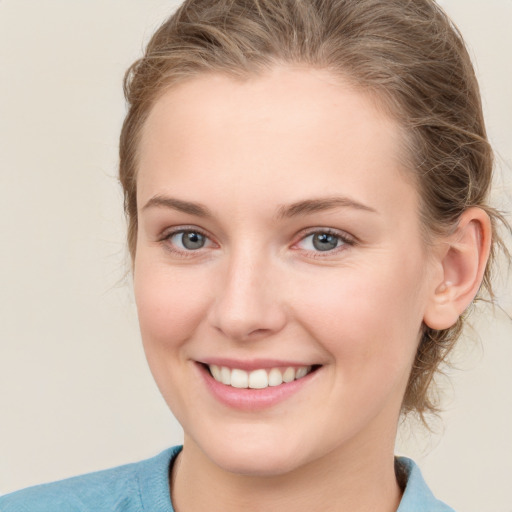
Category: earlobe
[462,260]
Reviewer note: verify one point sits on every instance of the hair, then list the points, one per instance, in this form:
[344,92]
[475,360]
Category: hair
[405,53]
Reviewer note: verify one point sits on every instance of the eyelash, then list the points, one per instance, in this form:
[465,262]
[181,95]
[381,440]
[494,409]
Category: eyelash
[343,238]
[168,235]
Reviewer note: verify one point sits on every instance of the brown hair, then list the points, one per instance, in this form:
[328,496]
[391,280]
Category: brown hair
[406,53]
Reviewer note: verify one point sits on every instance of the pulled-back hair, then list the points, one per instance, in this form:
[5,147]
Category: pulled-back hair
[405,53]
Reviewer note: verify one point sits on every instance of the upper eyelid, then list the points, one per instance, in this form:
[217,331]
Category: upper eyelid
[347,241]
[169,232]
[165,239]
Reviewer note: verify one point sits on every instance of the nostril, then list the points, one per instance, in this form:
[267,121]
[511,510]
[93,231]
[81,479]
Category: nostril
[257,332]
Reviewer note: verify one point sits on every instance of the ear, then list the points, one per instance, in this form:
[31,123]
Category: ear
[460,260]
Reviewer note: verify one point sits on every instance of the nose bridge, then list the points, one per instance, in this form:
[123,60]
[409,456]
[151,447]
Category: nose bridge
[247,302]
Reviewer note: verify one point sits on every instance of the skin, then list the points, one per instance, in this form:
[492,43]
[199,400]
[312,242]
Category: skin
[258,289]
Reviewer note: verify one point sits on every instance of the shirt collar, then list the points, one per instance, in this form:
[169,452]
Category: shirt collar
[417,496]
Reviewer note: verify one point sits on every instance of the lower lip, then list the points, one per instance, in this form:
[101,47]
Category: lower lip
[248,399]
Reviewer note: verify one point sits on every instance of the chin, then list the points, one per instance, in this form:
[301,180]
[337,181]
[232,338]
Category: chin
[254,457]
[258,464]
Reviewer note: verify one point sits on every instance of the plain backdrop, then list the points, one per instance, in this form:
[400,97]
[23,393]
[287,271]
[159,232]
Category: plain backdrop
[75,392]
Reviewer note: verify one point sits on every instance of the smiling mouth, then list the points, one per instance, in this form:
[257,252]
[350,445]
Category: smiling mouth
[260,378]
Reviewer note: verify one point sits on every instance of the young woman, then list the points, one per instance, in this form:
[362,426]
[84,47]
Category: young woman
[306,187]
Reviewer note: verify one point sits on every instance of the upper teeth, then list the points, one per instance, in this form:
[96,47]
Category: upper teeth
[257,379]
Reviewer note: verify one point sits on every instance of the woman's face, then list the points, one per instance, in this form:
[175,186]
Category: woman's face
[278,239]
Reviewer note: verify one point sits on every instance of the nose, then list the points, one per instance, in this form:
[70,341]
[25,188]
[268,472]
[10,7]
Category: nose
[248,301]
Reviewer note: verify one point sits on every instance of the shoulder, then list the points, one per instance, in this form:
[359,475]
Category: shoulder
[417,496]
[133,487]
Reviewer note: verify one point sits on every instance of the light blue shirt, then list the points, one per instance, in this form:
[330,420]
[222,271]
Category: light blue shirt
[144,487]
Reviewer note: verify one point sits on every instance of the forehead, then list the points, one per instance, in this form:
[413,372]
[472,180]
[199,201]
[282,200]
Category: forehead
[282,134]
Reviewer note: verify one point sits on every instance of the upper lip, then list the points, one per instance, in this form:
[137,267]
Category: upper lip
[253,364]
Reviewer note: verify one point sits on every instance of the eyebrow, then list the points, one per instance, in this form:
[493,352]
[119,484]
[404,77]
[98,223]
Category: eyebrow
[308,206]
[304,207]
[178,204]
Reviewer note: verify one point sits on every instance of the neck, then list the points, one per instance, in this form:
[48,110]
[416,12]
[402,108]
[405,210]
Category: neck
[361,481]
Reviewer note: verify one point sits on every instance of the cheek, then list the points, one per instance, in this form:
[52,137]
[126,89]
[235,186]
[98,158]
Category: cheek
[367,318]
[170,304]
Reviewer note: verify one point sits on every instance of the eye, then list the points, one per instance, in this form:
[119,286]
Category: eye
[323,241]
[188,240]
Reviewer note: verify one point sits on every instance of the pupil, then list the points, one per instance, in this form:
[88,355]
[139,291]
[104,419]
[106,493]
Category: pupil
[325,242]
[192,240]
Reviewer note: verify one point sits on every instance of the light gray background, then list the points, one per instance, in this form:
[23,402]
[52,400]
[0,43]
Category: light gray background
[75,391]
